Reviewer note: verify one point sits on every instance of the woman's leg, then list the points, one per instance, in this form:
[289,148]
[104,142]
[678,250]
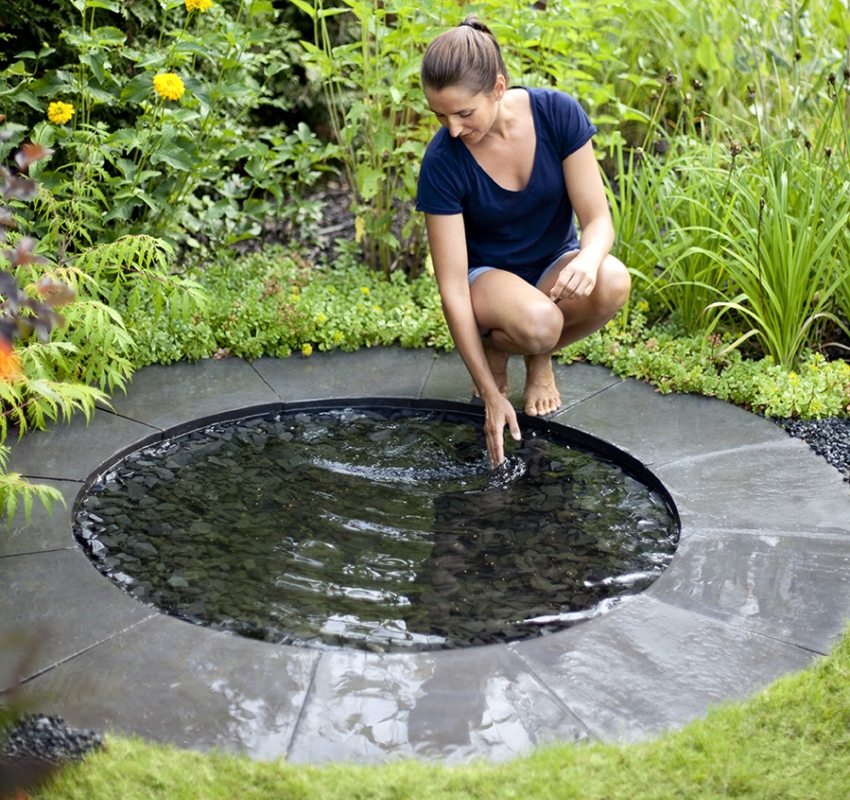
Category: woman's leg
[521,319]
[518,318]
[588,314]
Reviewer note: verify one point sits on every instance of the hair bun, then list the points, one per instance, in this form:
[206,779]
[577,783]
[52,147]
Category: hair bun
[473,22]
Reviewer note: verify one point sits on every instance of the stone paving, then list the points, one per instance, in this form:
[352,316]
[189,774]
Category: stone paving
[760,586]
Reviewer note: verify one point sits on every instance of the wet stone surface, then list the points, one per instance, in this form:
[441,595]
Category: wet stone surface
[381,529]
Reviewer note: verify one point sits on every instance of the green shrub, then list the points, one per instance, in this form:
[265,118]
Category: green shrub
[156,130]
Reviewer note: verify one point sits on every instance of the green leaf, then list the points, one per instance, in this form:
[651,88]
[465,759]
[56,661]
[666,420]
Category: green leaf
[109,5]
[109,35]
[259,7]
[18,68]
[24,96]
[307,8]
[177,158]
[137,89]
[95,62]
[839,16]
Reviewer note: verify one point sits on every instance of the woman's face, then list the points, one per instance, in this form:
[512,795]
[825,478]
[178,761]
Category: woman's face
[466,115]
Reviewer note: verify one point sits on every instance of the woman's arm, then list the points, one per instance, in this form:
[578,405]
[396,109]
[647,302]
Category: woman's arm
[447,242]
[587,196]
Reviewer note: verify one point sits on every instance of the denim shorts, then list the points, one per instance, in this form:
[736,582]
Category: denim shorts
[477,272]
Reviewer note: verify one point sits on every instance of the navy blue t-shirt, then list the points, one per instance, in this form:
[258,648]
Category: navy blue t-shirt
[522,231]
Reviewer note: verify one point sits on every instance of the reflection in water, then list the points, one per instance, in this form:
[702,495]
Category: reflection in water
[378,529]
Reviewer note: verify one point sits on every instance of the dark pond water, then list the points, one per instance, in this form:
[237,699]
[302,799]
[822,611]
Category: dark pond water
[382,529]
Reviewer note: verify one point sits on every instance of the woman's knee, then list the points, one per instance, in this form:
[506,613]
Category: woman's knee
[616,283]
[540,326]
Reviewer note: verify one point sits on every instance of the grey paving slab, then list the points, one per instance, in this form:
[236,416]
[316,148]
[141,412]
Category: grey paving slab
[60,599]
[659,428]
[648,667]
[171,396]
[782,485]
[378,372]
[451,706]
[169,681]
[792,587]
[43,531]
[74,451]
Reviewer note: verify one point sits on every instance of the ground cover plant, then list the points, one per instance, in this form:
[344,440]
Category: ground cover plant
[180,128]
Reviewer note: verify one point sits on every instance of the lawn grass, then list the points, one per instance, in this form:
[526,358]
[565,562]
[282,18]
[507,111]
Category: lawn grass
[789,742]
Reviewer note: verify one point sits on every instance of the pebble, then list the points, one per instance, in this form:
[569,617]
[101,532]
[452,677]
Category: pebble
[47,739]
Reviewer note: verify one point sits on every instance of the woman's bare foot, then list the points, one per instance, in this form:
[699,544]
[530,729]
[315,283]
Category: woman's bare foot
[541,395]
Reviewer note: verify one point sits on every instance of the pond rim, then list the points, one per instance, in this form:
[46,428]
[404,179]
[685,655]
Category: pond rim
[469,413]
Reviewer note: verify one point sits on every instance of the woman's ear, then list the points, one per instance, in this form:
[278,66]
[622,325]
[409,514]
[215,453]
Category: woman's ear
[499,87]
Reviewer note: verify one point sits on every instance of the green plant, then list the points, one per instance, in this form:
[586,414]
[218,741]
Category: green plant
[21,317]
[271,303]
[364,56]
[157,132]
[673,361]
[62,366]
[784,248]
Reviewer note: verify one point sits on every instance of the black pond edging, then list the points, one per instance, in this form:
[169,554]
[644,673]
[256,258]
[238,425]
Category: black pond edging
[391,409]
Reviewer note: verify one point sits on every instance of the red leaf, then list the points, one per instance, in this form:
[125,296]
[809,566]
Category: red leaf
[20,188]
[54,293]
[30,153]
[24,252]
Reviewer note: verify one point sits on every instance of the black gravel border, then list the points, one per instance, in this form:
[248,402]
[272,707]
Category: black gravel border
[36,745]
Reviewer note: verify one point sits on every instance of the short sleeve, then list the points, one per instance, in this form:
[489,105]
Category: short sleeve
[440,189]
[571,127]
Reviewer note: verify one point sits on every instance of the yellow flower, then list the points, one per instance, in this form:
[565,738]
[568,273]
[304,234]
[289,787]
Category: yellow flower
[337,337]
[168,85]
[59,113]
[321,318]
[306,349]
[198,5]
[364,289]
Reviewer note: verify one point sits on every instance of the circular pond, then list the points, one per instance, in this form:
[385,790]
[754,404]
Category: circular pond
[378,527]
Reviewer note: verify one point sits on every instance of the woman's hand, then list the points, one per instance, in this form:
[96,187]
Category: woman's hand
[577,279]
[499,412]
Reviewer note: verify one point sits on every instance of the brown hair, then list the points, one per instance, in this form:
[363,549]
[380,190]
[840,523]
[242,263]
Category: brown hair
[467,56]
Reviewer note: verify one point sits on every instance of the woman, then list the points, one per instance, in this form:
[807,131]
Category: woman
[500,186]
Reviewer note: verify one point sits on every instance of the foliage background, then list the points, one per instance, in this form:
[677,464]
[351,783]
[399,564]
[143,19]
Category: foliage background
[724,139]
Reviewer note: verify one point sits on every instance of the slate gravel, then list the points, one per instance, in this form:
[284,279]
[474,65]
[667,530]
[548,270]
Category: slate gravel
[46,739]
